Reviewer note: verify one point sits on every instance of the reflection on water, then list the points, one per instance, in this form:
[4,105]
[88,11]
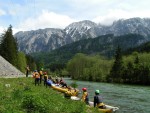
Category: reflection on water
[129,98]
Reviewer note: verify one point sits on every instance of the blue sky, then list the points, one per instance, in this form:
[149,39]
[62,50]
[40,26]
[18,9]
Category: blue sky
[26,15]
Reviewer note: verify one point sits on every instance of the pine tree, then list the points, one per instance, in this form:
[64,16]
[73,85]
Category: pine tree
[117,68]
[8,47]
[136,61]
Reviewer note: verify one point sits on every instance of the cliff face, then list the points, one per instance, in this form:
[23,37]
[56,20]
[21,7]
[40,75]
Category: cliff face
[8,70]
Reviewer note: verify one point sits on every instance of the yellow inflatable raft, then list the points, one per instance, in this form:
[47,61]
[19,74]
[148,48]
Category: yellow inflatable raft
[60,89]
[109,109]
[69,92]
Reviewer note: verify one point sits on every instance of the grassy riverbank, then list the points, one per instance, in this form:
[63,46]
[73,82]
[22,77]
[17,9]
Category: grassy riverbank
[23,96]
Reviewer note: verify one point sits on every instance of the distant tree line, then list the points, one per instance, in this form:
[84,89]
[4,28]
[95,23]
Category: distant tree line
[133,69]
[131,72]
[9,51]
[90,68]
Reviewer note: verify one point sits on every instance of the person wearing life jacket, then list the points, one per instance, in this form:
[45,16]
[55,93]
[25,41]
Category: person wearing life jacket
[56,80]
[63,83]
[98,100]
[85,97]
[33,74]
[36,75]
[45,79]
[41,75]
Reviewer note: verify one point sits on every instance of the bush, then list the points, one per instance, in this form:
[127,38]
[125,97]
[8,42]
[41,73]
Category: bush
[33,104]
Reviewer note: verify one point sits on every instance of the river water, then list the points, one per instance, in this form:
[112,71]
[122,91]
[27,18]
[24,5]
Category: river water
[129,98]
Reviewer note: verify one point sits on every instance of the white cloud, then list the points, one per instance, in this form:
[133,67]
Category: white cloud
[119,14]
[28,14]
[46,20]
[110,17]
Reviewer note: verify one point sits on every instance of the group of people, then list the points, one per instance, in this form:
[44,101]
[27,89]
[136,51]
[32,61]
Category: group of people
[39,76]
[42,76]
[97,98]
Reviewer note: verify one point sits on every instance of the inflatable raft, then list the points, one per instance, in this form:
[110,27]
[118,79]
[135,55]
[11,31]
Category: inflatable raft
[69,92]
[109,109]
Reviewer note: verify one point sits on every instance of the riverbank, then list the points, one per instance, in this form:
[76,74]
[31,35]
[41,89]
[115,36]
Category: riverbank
[129,98]
[20,95]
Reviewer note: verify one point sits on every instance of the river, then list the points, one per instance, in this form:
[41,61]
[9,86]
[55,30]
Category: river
[129,98]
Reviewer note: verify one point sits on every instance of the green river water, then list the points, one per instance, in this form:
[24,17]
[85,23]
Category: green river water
[129,98]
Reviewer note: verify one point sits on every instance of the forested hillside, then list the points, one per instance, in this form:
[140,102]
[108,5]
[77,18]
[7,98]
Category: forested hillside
[104,45]
[142,48]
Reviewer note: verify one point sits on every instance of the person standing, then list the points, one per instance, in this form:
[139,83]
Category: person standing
[98,100]
[45,79]
[27,70]
[85,97]
[41,75]
[36,75]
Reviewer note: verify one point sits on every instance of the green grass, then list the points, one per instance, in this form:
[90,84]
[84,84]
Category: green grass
[24,97]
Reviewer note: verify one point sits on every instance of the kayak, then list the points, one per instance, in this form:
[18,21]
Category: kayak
[69,92]
[109,109]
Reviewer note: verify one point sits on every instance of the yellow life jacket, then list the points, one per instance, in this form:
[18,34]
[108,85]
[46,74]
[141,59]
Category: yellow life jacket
[36,74]
[84,96]
[100,104]
[41,72]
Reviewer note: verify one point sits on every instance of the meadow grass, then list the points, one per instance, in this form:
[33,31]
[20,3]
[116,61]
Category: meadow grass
[22,96]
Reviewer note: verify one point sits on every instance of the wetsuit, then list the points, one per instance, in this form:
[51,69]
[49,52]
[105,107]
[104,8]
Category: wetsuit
[98,101]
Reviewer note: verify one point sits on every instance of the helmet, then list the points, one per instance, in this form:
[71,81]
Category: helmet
[84,89]
[35,70]
[97,91]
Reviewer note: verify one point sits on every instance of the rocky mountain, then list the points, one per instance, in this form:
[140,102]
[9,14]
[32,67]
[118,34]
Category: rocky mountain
[81,30]
[8,70]
[41,40]
[50,38]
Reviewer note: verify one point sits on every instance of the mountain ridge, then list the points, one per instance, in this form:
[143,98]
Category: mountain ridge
[50,38]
